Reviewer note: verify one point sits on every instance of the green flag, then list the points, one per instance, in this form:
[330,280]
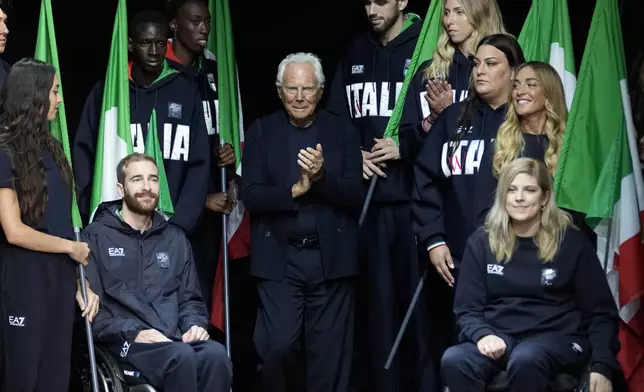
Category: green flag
[220,42]
[546,37]
[598,171]
[47,51]
[114,136]
[423,51]
[153,149]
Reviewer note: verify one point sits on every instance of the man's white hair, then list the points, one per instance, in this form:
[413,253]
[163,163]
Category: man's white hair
[301,58]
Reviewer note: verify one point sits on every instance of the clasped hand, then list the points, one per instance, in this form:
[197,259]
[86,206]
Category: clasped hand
[374,161]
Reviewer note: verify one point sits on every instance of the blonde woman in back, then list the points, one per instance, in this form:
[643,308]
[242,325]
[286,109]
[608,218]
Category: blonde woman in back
[532,298]
[445,78]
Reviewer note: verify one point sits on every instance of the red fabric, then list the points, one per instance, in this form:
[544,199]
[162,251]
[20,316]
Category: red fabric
[238,247]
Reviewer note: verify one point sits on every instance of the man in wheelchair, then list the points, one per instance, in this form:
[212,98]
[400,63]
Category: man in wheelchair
[153,317]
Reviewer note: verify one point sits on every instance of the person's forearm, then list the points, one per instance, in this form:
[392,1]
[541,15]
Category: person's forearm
[28,238]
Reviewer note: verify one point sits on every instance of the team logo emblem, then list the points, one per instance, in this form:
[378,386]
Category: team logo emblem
[174,110]
[163,260]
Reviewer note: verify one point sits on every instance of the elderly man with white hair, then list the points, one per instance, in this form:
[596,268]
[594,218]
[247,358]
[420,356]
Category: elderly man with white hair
[302,185]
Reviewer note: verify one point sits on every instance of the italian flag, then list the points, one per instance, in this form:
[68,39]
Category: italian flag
[114,136]
[546,37]
[230,126]
[424,50]
[599,175]
[47,51]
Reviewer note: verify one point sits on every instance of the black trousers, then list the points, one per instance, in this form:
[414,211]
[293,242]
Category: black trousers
[206,245]
[391,272]
[180,367]
[304,331]
[530,363]
[37,301]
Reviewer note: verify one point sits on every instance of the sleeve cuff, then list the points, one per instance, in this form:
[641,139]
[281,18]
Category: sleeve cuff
[435,245]
[602,369]
[480,333]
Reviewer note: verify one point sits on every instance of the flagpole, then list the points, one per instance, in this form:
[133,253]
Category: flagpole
[224,225]
[367,200]
[88,326]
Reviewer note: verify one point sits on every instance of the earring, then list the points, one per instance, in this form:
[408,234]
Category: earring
[175,35]
[543,207]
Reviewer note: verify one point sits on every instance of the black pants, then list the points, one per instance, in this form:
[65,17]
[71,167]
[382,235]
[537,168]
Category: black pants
[305,314]
[180,367]
[392,270]
[530,363]
[206,245]
[37,301]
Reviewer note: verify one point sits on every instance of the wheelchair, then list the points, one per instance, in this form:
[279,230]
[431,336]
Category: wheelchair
[562,382]
[113,376]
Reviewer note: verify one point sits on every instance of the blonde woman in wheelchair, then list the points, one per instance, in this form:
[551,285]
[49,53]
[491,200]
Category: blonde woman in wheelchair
[532,298]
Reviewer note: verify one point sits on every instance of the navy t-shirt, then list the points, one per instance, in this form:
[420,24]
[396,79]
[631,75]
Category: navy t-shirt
[303,223]
[57,219]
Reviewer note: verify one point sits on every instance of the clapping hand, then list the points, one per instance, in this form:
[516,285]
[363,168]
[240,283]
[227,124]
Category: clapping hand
[439,96]
[312,162]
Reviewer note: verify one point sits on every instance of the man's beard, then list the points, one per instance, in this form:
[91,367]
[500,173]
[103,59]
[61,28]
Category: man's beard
[134,205]
[386,25]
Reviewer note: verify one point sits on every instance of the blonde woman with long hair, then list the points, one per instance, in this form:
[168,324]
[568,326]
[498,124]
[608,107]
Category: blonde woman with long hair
[445,78]
[536,119]
[532,297]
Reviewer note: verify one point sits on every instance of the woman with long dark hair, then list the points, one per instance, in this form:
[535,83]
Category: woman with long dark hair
[455,160]
[38,256]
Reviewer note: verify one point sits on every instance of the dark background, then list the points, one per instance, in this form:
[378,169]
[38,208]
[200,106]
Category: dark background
[265,32]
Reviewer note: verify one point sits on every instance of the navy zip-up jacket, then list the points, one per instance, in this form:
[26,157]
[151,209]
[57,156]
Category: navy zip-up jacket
[204,77]
[525,297]
[145,280]
[365,87]
[416,106]
[183,139]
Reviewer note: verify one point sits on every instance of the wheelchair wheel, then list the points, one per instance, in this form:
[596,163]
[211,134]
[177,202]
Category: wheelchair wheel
[106,371]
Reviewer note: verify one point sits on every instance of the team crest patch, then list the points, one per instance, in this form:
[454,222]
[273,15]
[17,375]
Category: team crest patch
[548,275]
[407,66]
[174,110]
[163,260]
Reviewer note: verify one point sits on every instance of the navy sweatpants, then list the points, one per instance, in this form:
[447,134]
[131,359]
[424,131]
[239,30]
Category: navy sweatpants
[391,272]
[180,367]
[530,363]
[37,302]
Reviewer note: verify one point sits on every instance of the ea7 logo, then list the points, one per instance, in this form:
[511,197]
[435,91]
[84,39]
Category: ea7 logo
[116,252]
[16,321]
[495,269]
